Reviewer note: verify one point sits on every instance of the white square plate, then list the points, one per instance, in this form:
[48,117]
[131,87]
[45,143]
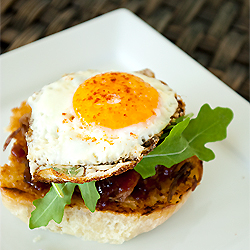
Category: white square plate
[217,214]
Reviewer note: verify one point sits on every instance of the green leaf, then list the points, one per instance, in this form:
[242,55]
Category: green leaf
[168,153]
[188,138]
[174,122]
[51,206]
[209,126]
[89,194]
[58,190]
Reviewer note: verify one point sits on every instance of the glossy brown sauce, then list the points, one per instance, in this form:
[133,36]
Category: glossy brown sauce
[118,188]
[18,151]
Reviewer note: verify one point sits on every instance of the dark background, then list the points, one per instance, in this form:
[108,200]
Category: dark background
[213,32]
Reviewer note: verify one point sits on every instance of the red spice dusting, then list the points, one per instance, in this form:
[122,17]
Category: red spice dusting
[117,97]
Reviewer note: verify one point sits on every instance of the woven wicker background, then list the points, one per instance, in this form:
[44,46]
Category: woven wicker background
[213,32]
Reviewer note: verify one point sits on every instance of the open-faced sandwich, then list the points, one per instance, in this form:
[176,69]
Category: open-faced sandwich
[106,155]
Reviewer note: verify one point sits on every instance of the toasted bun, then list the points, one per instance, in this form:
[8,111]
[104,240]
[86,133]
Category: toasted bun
[111,227]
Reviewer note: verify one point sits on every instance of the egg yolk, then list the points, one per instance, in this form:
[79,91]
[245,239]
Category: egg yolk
[115,100]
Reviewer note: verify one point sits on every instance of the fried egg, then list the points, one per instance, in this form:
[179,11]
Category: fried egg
[90,123]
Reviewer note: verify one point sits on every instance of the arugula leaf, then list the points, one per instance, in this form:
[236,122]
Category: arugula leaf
[174,122]
[89,194]
[166,152]
[188,138]
[58,190]
[209,126]
[51,206]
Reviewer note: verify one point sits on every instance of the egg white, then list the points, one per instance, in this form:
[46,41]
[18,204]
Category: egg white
[55,138]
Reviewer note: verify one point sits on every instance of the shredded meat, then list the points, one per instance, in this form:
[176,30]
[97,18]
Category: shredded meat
[15,175]
[23,128]
[11,136]
[180,177]
[164,188]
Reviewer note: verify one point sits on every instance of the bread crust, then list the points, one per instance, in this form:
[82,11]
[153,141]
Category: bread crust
[102,226]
